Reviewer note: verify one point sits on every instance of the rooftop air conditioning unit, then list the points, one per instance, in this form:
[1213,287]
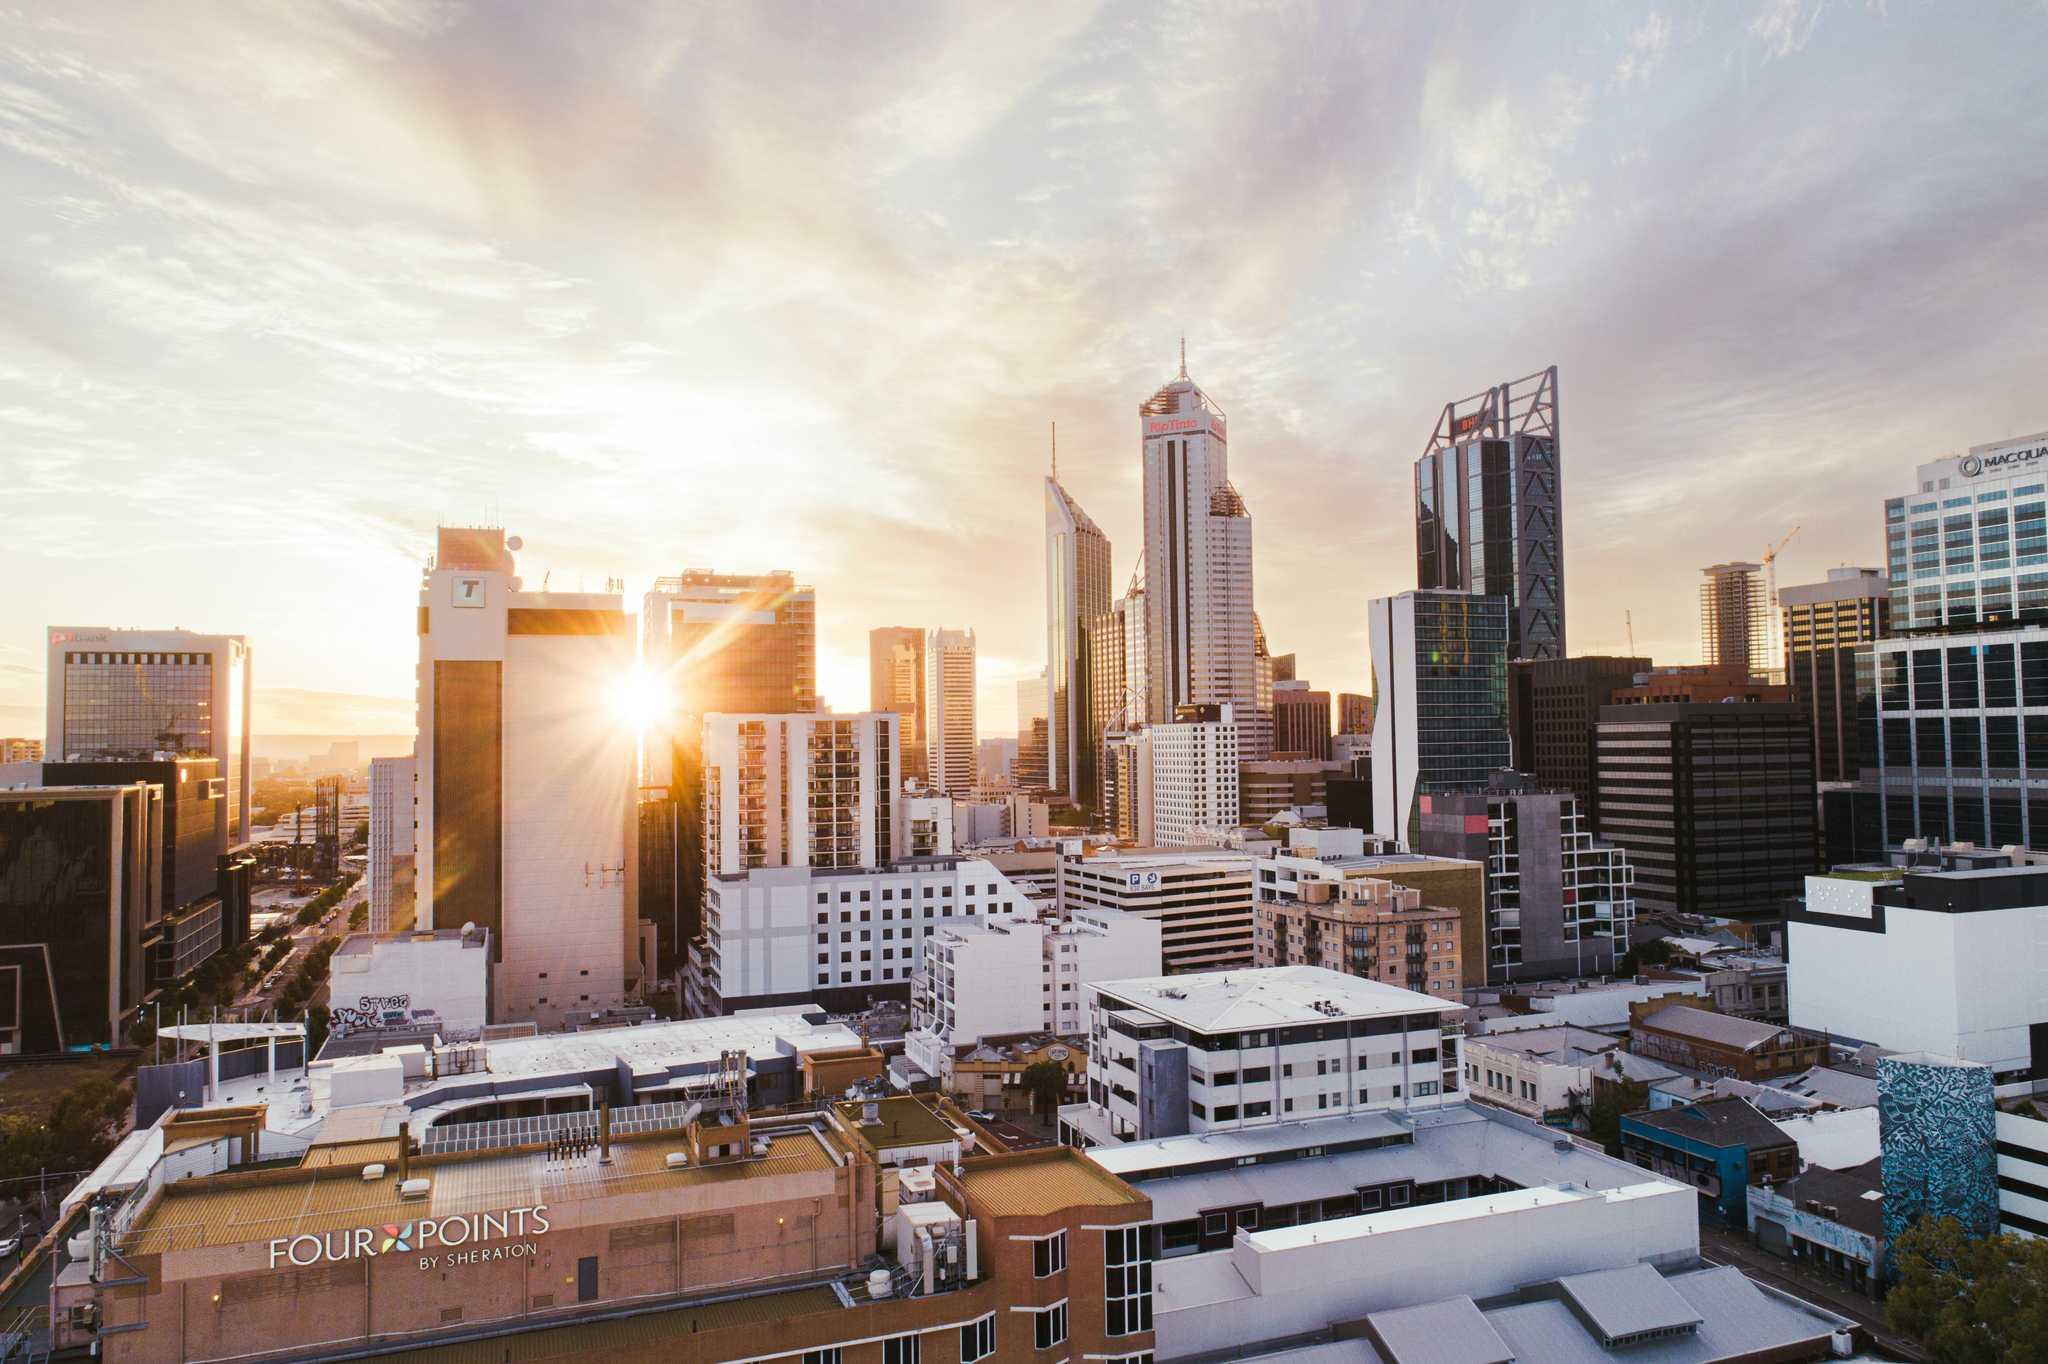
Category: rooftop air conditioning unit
[415,1188]
[677,1160]
[374,1171]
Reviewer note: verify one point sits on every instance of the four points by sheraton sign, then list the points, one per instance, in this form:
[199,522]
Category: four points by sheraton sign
[472,1237]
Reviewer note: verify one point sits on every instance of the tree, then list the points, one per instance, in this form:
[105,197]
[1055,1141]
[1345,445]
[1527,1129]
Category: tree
[1655,952]
[1045,1082]
[318,1020]
[1969,1302]
[1603,1121]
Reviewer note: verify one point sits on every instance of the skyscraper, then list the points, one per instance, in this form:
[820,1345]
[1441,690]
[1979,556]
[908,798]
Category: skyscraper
[1033,741]
[896,683]
[135,694]
[1439,666]
[1735,617]
[1077,590]
[1354,713]
[1301,720]
[950,749]
[1198,565]
[1553,703]
[391,843]
[1829,628]
[1489,508]
[525,780]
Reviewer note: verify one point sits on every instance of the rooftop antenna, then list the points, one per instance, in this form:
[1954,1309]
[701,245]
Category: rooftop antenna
[1183,355]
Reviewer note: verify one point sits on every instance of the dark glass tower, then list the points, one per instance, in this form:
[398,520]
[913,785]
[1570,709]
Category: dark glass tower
[1488,510]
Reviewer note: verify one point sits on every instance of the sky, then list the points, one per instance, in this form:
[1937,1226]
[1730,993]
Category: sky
[285,285]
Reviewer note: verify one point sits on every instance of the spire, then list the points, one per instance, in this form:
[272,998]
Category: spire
[1183,355]
[1055,452]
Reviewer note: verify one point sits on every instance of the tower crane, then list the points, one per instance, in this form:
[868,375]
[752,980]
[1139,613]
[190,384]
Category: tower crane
[1771,581]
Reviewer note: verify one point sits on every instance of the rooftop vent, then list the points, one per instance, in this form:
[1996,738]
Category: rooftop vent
[415,1188]
[373,1172]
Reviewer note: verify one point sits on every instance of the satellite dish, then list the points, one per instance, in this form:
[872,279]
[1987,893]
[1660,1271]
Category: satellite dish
[514,543]
[517,582]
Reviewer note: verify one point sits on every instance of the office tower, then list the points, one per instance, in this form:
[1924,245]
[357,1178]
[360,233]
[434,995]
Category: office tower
[1301,721]
[896,683]
[800,790]
[1735,618]
[391,844]
[1552,705]
[715,643]
[1283,668]
[1201,898]
[1699,684]
[1354,713]
[1127,785]
[950,744]
[1558,901]
[1198,563]
[1033,734]
[1714,804]
[1969,549]
[1116,681]
[1489,508]
[1255,731]
[79,893]
[1077,591]
[526,780]
[1194,778]
[1439,664]
[1266,790]
[21,750]
[1829,628]
[146,694]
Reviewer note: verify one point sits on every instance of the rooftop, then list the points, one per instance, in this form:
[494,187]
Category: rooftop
[900,1121]
[1716,1122]
[1723,1029]
[1453,1331]
[1266,997]
[1036,1183]
[1856,1194]
[1624,1304]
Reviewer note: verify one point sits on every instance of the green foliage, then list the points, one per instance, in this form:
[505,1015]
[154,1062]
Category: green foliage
[77,1133]
[318,1021]
[359,916]
[1655,952]
[326,900]
[1611,1101]
[1046,1083]
[1970,1302]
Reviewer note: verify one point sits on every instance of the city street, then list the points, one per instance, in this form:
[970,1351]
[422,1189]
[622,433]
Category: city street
[1721,1245]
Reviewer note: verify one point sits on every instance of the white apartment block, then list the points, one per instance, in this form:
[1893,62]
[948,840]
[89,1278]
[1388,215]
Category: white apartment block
[526,780]
[1227,1050]
[951,742]
[1202,900]
[1535,1071]
[841,938]
[802,790]
[927,823]
[972,987]
[1194,779]
[391,843]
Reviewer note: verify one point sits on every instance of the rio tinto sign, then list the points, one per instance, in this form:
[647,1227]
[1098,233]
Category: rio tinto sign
[470,1238]
[1174,426]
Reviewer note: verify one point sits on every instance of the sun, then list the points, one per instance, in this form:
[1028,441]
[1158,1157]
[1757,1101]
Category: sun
[636,699]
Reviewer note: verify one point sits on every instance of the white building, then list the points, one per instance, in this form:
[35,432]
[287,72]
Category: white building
[972,985]
[777,935]
[1194,764]
[391,843]
[927,823]
[950,736]
[811,790]
[1535,1071]
[141,694]
[1202,900]
[1225,1050]
[1198,564]
[441,978]
[1969,949]
[526,780]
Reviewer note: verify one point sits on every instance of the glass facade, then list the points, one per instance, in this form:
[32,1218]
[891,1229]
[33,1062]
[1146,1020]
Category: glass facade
[120,704]
[1968,556]
[1461,707]
[1486,520]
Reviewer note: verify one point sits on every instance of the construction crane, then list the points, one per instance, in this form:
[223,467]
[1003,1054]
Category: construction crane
[1628,618]
[1771,602]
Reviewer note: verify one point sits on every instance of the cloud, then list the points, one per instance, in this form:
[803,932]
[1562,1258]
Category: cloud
[1785,27]
[1645,51]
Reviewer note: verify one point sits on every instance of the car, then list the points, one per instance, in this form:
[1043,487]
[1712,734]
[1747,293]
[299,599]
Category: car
[10,1246]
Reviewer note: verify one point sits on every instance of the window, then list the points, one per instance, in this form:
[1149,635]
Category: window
[1127,1279]
[978,1339]
[1215,1223]
[1049,1327]
[1049,1256]
[900,1350]
[828,1355]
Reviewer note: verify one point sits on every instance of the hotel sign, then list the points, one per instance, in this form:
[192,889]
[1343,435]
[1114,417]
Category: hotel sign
[470,1238]
[2003,461]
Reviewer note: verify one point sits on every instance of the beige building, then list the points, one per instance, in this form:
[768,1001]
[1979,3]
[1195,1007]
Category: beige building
[1363,927]
[951,745]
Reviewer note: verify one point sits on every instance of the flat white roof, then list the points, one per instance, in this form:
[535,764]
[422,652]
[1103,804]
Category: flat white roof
[1267,997]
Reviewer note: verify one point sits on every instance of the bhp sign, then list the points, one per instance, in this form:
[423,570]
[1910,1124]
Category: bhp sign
[440,1233]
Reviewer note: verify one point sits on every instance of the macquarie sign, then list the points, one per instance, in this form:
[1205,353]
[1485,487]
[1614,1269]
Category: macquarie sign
[466,1239]
[2007,459]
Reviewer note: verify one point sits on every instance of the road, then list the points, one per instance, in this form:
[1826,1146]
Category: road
[1719,1245]
[304,940]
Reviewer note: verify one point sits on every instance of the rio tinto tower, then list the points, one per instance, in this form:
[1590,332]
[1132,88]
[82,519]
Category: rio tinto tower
[1198,566]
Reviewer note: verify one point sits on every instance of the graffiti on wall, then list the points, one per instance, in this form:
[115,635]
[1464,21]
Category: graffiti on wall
[371,1011]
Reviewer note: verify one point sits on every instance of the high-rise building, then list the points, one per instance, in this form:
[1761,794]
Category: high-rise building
[1301,721]
[1699,684]
[526,780]
[1077,591]
[1829,628]
[1969,548]
[1735,618]
[21,750]
[896,683]
[1034,741]
[950,742]
[1439,664]
[1127,785]
[1354,713]
[1266,790]
[1558,901]
[1714,804]
[1489,508]
[1116,681]
[391,844]
[1194,777]
[800,790]
[145,694]
[1552,705]
[1201,898]
[1198,563]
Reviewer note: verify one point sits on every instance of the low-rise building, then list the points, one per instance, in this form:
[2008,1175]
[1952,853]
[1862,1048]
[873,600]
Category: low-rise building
[1364,927]
[1602,1005]
[1201,899]
[1718,1044]
[1719,1147]
[1830,1220]
[1541,1073]
[1334,856]
[1228,1050]
[989,1074]
[440,977]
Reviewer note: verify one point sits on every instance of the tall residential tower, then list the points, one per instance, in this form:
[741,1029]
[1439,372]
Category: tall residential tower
[896,683]
[950,742]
